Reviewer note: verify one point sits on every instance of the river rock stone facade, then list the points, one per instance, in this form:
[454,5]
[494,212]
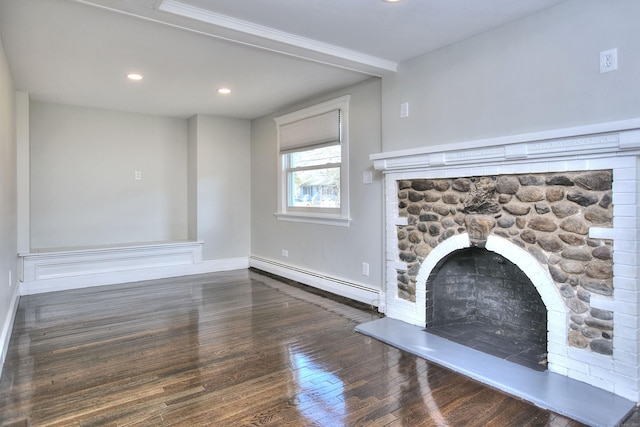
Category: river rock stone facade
[549,215]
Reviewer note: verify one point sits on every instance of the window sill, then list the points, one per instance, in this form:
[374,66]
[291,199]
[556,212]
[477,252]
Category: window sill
[312,218]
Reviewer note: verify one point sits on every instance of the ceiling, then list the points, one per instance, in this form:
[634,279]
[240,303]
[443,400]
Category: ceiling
[270,53]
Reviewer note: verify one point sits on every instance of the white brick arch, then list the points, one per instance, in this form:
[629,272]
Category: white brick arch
[557,311]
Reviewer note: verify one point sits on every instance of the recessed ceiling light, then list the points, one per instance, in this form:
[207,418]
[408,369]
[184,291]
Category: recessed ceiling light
[134,76]
[224,91]
[392,1]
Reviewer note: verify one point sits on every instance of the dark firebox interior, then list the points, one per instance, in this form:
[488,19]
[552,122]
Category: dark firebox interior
[479,299]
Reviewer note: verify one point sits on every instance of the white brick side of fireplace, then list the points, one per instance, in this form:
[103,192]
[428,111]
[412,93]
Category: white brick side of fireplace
[614,146]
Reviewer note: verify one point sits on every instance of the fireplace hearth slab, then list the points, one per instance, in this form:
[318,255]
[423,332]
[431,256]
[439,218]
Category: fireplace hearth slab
[554,392]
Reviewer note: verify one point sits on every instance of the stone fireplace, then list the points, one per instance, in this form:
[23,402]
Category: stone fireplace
[531,234]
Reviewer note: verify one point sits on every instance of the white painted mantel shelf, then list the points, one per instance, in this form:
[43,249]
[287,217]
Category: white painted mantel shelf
[612,138]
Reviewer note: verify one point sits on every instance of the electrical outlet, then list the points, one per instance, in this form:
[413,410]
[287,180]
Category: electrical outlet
[285,253]
[365,268]
[137,175]
[608,60]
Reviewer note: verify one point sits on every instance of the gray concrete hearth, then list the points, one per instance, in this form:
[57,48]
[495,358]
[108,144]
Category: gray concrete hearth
[574,399]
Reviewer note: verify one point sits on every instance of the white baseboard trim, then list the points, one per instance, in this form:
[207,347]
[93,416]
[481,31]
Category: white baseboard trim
[7,329]
[131,275]
[334,285]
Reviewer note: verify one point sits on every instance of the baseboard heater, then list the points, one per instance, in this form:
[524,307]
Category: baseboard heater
[345,288]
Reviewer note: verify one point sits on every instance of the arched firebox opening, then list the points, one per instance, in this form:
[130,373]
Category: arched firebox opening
[480,299]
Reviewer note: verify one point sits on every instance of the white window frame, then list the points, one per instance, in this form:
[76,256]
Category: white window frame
[338,216]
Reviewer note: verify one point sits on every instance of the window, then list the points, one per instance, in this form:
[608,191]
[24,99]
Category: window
[313,164]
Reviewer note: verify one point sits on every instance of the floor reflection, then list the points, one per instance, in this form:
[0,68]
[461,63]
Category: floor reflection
[413,386]
[319,395]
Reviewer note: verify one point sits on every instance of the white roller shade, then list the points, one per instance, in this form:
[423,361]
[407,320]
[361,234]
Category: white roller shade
[317,131]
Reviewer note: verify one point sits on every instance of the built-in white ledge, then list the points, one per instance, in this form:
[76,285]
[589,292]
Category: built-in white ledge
[53,269]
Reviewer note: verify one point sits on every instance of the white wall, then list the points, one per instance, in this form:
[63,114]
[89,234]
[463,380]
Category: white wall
[222,153]
[330,250]
[22,171]
[83,190]
[8,215]
[192,177]
[539,73]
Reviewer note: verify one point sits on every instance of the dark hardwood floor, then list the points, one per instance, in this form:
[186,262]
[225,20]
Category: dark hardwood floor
[227,349]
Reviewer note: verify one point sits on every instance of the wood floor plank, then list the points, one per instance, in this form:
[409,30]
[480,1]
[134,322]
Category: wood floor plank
[227,349]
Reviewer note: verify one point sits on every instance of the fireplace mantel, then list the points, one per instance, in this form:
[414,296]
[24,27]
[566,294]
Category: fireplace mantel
[605,139]
[612,146]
